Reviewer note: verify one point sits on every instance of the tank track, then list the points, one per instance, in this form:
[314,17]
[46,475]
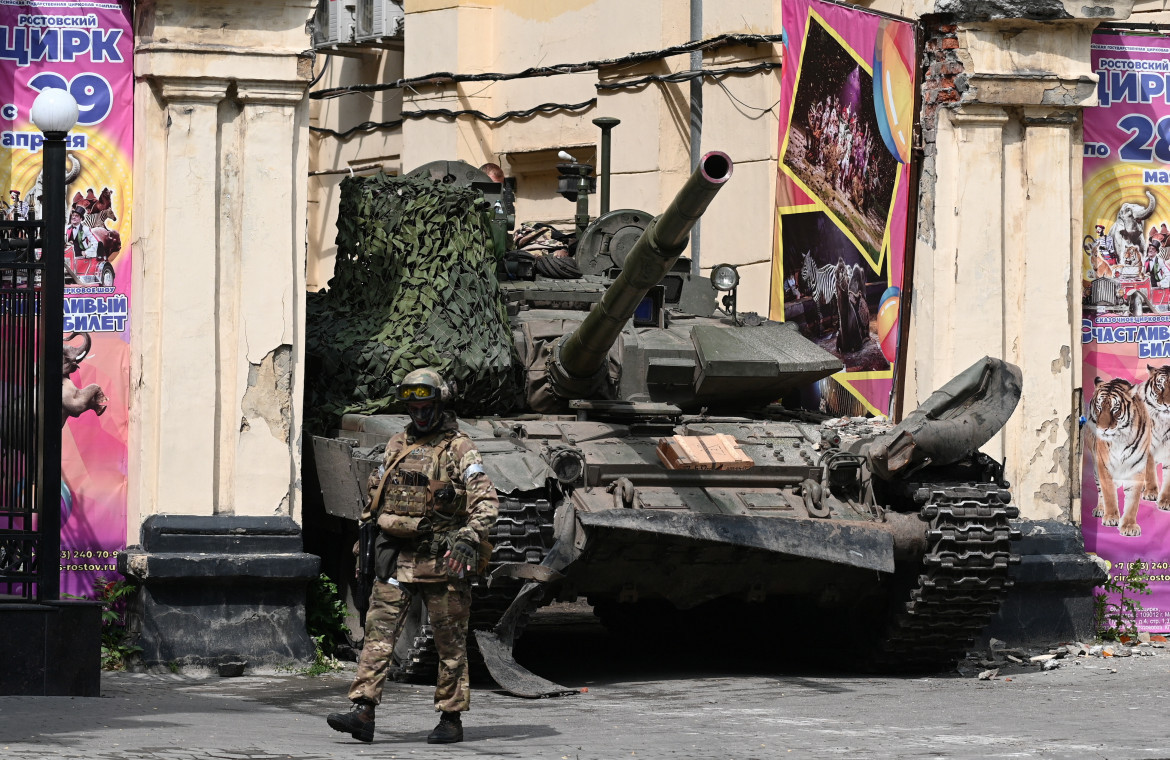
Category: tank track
[963,577]
[522,533]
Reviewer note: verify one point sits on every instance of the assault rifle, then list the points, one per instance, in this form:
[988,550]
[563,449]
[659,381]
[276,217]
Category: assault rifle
[367,535]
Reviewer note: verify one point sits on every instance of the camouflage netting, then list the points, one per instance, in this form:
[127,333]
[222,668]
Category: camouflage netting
[414,286]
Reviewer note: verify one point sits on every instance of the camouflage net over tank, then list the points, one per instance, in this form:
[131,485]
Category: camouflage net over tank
[414,286]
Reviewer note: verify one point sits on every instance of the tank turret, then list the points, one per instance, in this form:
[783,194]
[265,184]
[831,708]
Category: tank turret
[579,359]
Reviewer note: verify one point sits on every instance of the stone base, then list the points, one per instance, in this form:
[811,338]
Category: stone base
[53,649]
[1052,599]
[215,590]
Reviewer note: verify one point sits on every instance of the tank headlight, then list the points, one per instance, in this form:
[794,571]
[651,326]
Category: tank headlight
[725,277]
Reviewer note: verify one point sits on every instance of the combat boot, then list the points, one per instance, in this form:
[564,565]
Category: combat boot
[358,722]
[449,730]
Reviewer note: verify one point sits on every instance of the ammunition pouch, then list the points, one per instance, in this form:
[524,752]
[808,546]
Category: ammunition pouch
[485,557]
[403,526]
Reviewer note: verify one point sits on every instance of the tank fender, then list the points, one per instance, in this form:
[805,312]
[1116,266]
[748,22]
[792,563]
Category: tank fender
[952,424]
[858,544]
[513,468]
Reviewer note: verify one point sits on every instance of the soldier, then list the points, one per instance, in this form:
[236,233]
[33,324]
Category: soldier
[433,500]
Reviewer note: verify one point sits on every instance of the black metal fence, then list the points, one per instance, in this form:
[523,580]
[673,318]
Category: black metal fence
[30,452]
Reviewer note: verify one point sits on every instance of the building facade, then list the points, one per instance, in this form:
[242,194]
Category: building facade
[237,175]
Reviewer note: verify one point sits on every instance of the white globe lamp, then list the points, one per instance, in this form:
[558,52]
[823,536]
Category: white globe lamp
[54,110]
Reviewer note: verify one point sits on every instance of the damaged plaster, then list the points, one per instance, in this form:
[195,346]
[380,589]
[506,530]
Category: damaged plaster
[269,393]
[988,10]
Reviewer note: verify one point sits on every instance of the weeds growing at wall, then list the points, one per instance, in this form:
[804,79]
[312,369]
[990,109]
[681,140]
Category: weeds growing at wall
[1119,618]
[325,620]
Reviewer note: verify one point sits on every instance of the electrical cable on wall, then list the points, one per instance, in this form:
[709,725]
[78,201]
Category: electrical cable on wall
[686,76]
[446,77]
[370,126]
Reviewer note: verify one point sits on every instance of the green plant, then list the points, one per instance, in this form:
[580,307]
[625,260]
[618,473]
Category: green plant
[173,666]
[116,645]
[322,663]
[1119,618]
[325,621]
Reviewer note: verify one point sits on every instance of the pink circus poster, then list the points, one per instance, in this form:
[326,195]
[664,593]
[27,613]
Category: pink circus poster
[842,193]
[85,48]
[1125,477]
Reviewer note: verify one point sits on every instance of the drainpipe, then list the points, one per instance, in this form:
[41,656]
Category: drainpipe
[696,117]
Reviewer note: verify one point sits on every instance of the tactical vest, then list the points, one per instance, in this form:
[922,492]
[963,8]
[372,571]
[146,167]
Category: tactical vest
[412,483]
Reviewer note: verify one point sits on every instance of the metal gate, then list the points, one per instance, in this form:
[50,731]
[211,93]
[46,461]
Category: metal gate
[30,417]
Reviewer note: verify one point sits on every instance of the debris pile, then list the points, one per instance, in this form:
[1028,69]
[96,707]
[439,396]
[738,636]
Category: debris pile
[1000,657]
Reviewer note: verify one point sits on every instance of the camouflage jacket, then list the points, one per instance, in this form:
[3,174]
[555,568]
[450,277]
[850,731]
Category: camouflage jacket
[478,504]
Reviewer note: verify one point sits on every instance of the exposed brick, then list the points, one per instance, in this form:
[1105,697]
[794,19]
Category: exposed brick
[949,28]
[950,43]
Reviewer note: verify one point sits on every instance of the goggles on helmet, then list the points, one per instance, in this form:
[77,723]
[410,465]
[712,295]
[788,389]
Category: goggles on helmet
[416,392]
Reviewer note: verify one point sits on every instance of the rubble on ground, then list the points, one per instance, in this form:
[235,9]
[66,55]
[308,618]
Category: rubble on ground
[1000,660]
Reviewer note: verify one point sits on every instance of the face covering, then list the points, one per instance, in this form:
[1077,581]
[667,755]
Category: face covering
[424,416]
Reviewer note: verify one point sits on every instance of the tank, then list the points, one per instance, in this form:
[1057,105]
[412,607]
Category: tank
[654,468]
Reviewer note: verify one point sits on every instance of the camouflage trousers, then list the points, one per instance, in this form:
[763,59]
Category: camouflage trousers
[449,606]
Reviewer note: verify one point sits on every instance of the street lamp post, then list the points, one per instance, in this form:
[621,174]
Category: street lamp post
[54,112]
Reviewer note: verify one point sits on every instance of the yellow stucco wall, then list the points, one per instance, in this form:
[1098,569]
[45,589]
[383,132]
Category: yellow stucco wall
[1007,162]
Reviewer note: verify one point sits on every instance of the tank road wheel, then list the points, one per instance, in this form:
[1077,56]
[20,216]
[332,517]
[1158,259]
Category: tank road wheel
[961,580]
[523,533]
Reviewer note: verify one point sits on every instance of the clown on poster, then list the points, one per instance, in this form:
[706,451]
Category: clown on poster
[84,48]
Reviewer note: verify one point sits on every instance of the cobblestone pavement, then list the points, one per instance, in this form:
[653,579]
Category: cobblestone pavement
[638,705]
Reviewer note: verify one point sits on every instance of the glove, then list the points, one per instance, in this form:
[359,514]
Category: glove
[462,557]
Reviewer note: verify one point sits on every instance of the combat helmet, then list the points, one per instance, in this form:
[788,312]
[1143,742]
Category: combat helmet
[426,394]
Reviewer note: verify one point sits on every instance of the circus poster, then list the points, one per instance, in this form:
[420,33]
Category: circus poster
[842,194]
[83,47]
[1125,247]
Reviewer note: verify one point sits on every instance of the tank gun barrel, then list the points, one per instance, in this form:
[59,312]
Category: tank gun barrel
[579,359]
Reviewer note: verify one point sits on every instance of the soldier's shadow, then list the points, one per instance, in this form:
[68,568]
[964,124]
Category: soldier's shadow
[471,734]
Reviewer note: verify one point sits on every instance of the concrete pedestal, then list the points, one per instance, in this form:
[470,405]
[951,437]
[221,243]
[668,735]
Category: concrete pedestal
[221,589]
[1052,599]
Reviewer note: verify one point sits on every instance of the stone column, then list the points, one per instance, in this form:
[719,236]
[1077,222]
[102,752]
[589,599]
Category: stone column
[994,270]
[1043,307]
[269,349]
[181,270]
[220,171]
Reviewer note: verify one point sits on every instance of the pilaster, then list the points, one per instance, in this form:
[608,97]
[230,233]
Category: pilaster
[183,378]
[994,272]
[269,347]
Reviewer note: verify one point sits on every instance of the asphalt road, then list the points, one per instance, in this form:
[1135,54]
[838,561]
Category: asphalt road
[643,701]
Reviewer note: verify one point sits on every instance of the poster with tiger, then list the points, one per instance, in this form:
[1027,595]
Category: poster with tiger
[1125,242]
[1125,474]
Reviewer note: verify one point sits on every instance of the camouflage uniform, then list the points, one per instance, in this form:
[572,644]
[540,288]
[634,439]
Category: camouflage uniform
[446,456]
